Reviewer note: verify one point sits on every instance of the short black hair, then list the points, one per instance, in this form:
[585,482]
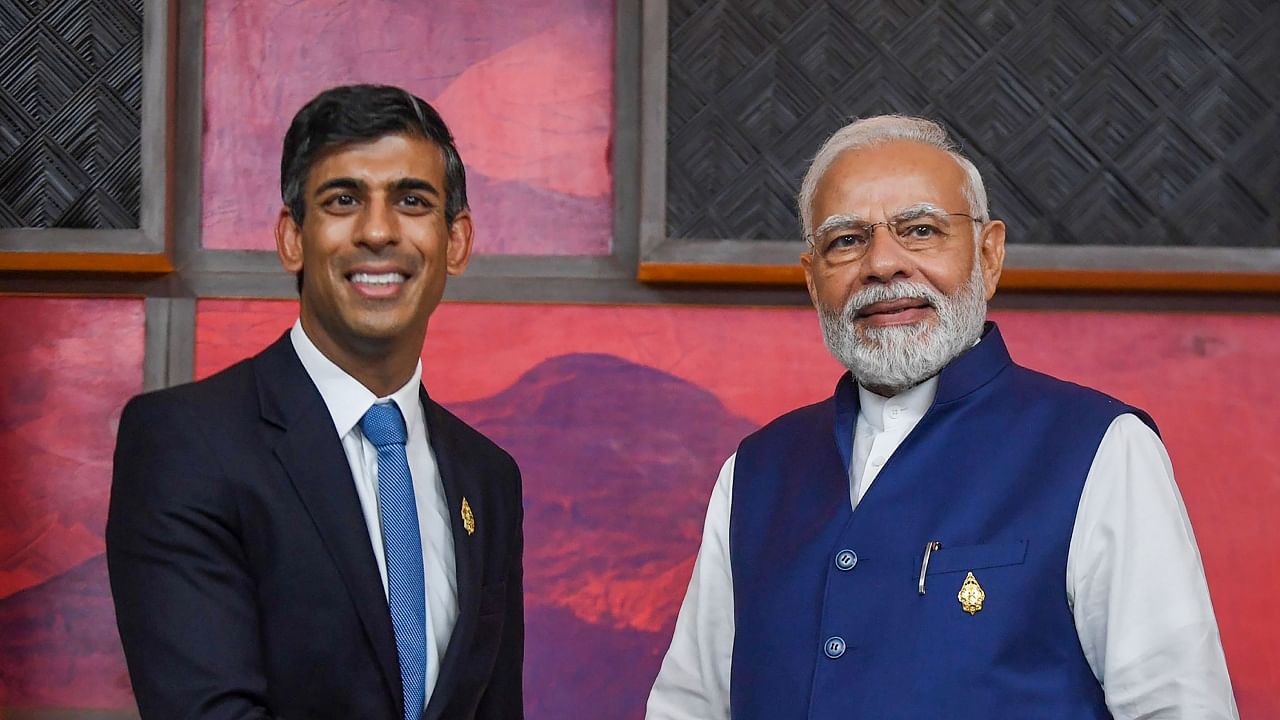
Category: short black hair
[363,113]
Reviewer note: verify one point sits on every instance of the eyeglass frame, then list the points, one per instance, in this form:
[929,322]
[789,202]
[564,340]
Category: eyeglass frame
[905,216]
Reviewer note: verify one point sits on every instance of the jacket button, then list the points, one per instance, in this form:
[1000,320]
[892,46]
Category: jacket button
[846,559]
[834,647]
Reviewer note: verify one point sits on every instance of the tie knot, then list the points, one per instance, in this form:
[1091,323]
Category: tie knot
[384,425]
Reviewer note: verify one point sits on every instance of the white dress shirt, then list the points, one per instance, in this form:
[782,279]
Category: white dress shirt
[1134,580]
[348,401]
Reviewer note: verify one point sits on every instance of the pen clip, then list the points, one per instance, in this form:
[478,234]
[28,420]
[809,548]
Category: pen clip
[929,547]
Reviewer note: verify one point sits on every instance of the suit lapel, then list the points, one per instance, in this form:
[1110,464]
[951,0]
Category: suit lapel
[459,482]
[312,456]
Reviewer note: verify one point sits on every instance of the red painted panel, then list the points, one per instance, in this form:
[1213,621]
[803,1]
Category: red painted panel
[730,351]
[66,368]
[620,417]
[526,86]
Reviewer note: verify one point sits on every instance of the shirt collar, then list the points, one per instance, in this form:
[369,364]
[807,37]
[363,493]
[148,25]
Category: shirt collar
[914,402]
[344,396]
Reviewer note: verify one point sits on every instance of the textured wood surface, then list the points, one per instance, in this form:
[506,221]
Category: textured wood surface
[1124,122]
[70,113]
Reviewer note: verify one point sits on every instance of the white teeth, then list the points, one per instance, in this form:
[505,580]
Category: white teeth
[379,279]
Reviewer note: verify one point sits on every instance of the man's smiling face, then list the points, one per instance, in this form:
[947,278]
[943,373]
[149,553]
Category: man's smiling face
[882,183]
[899,273]
[374,247]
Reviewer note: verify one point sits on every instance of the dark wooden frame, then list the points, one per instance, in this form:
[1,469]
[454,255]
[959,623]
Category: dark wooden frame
[664,259]
[141,250]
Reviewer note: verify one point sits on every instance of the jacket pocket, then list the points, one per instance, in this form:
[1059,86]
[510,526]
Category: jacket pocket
[963,558]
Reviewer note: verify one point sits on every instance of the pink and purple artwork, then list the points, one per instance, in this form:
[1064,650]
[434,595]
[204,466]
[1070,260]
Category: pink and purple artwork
[620,418]
[526,86]
[68,365]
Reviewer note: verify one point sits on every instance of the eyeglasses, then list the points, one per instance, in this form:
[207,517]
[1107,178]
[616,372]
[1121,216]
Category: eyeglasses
[841,240]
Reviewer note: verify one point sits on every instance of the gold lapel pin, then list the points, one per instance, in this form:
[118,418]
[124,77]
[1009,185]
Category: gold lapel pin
[971,595]
[468,519]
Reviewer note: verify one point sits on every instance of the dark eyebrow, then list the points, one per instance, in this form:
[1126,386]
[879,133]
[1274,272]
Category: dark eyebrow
[415,184]
[344,183]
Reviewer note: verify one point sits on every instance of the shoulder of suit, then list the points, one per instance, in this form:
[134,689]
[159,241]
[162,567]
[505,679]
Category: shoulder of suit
[1068,391]
[220,389]
[800,417]
[461,432]
[1076,399]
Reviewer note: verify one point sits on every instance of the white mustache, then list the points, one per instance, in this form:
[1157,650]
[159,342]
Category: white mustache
[902,356]
[893,291]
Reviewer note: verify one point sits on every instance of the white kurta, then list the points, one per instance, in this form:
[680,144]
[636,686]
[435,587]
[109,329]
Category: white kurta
[1134,580]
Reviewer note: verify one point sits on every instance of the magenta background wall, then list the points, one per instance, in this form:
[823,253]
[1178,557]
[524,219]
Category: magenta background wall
[66,368]
[620,418]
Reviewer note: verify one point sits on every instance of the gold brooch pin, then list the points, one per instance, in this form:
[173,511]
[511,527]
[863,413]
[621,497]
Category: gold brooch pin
[971,595]
[468,520]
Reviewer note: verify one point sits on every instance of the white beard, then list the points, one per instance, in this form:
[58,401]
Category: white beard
[899,357]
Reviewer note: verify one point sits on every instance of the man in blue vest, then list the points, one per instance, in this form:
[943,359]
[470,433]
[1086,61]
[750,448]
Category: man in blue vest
[950,534]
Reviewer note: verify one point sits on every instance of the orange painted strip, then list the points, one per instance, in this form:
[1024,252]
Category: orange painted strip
[1012,278]
[100,262]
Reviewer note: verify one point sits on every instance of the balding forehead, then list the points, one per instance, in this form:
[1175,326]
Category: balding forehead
[911,151]
[886,180]
[899,134]
[905,157]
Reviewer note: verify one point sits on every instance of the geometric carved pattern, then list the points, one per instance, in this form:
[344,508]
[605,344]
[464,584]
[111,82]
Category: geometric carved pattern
[1116,122]
[70,113]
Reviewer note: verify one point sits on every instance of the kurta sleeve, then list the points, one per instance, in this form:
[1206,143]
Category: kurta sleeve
[1137,586]
[693,683]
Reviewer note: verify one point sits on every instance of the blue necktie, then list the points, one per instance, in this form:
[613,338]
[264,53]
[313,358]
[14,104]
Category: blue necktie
[384,426]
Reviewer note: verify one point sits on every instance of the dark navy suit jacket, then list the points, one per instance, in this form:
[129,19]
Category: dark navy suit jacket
[244,581]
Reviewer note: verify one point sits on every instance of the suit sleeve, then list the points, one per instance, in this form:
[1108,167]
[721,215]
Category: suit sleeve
[183,596]
[503,699]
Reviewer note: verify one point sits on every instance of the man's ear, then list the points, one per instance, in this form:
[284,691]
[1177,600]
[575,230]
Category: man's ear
[991,253]
[288,241]
[806,262]
[458,254]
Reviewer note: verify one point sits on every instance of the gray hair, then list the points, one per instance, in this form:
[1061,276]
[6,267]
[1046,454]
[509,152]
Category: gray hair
[878,130]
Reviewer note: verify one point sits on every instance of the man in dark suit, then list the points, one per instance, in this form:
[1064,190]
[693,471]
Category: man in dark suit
[307,534]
